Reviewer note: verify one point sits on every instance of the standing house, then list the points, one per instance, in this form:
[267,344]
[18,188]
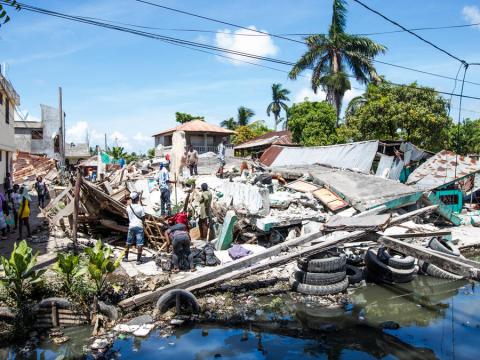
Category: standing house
[203,136]
[9,99]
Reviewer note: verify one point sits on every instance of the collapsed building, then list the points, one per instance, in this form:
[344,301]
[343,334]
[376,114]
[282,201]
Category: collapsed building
[351,199]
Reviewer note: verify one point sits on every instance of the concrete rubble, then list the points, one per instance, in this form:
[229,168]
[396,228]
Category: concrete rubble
[299,209]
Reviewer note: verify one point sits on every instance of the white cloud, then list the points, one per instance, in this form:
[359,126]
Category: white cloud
[471,14]
[77,133]
[118,139]
[350,94]
[141,138]
[307,93]
[237,41]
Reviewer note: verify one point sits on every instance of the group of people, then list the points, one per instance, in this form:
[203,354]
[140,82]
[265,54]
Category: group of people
[15,204]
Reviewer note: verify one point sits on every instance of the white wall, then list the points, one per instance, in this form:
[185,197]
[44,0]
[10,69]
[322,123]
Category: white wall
[7,138]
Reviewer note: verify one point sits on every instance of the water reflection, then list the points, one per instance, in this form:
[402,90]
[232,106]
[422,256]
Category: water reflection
[438,319]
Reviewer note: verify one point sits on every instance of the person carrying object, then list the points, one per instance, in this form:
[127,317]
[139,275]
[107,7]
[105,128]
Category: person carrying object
[204,220]
[136,214]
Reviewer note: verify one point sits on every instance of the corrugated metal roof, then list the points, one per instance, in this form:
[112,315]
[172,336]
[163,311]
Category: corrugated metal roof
[357,156]
[442,168]
[274,137]
[197,126]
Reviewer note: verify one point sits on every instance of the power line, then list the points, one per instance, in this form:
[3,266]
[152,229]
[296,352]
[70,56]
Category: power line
[217,21]
[410,32]
[280,34]
[191,45]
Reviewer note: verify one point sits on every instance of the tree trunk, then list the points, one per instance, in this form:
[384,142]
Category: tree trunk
[336,98]
[76,200]
[276,121]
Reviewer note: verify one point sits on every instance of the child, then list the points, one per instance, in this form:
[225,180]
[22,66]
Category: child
[24,212]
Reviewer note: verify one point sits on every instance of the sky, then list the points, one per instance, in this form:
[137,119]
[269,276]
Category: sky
[130,87]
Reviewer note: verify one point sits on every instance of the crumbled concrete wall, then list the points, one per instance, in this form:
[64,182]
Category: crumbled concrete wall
[51,127]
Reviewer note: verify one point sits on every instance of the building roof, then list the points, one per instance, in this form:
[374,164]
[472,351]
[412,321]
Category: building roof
[443,168]
[272,138]
[199,126]
[28,124]
[77,150]
[356,156]
[7,86]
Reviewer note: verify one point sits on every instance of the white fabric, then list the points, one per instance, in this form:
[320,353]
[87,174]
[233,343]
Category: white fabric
[133,220]
[354,156]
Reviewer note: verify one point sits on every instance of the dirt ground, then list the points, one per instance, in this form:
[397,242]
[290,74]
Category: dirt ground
[41,240]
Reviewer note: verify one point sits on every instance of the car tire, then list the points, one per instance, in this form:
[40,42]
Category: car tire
[318,290]
[354,274]
[323,264]
[395,261]
[437,272]
[380,271]
[443,246]
[168,300]
[319,278]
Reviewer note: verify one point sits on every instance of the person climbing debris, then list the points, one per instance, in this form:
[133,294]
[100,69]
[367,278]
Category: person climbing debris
[163,179]
[205,216]
[136,214]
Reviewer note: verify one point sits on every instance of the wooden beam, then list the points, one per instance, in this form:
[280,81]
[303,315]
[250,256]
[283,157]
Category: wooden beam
[311,250]
[245,262]
[76,200]
[433,257]
[418,234]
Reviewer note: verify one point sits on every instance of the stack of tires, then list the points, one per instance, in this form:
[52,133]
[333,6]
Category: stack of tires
[324,275]
[443,246]
[386,266]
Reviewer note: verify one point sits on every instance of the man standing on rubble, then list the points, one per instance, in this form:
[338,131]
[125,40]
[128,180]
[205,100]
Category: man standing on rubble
[205,211]
[135,213]
[163,179]
[192,160]
[221,156]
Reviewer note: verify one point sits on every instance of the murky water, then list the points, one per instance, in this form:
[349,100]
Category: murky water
[437,319]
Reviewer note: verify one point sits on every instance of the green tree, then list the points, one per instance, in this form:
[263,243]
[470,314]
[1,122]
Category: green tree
[411,113]
[329,55]
[182,118]
[465,138]
[312,123]
[250,131]
[279,96]
[151,153]
[229,124]
[244,115]
[117,152]
[4,17]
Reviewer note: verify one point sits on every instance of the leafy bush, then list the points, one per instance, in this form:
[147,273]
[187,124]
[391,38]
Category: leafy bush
[70,269]
[19,274]
[100,264]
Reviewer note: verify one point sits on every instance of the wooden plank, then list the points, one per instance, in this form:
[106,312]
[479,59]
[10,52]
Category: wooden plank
[302,186]
[444,262]
[418,234]
[331,200]
[311,250]
[66,211]
[147,297]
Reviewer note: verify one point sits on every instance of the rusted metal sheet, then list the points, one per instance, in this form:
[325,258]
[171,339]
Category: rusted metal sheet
[331,200]
[274,137]
[302,186]
[269,156]
[443,168]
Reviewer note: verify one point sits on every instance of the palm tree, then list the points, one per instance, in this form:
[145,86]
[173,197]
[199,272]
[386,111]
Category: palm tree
[356,103]
[329,55]
[279,95]
[229,124]
[117,152]
[244,115]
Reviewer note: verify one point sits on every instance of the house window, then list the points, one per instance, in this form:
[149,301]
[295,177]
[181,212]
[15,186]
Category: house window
[7,112]
[37,135]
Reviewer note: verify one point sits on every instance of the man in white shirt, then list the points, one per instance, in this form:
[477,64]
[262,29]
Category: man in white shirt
[221,156]
[163,179]
[136,213]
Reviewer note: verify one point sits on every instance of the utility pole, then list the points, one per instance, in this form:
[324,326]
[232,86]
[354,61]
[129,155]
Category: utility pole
[106,143]
[62,134]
